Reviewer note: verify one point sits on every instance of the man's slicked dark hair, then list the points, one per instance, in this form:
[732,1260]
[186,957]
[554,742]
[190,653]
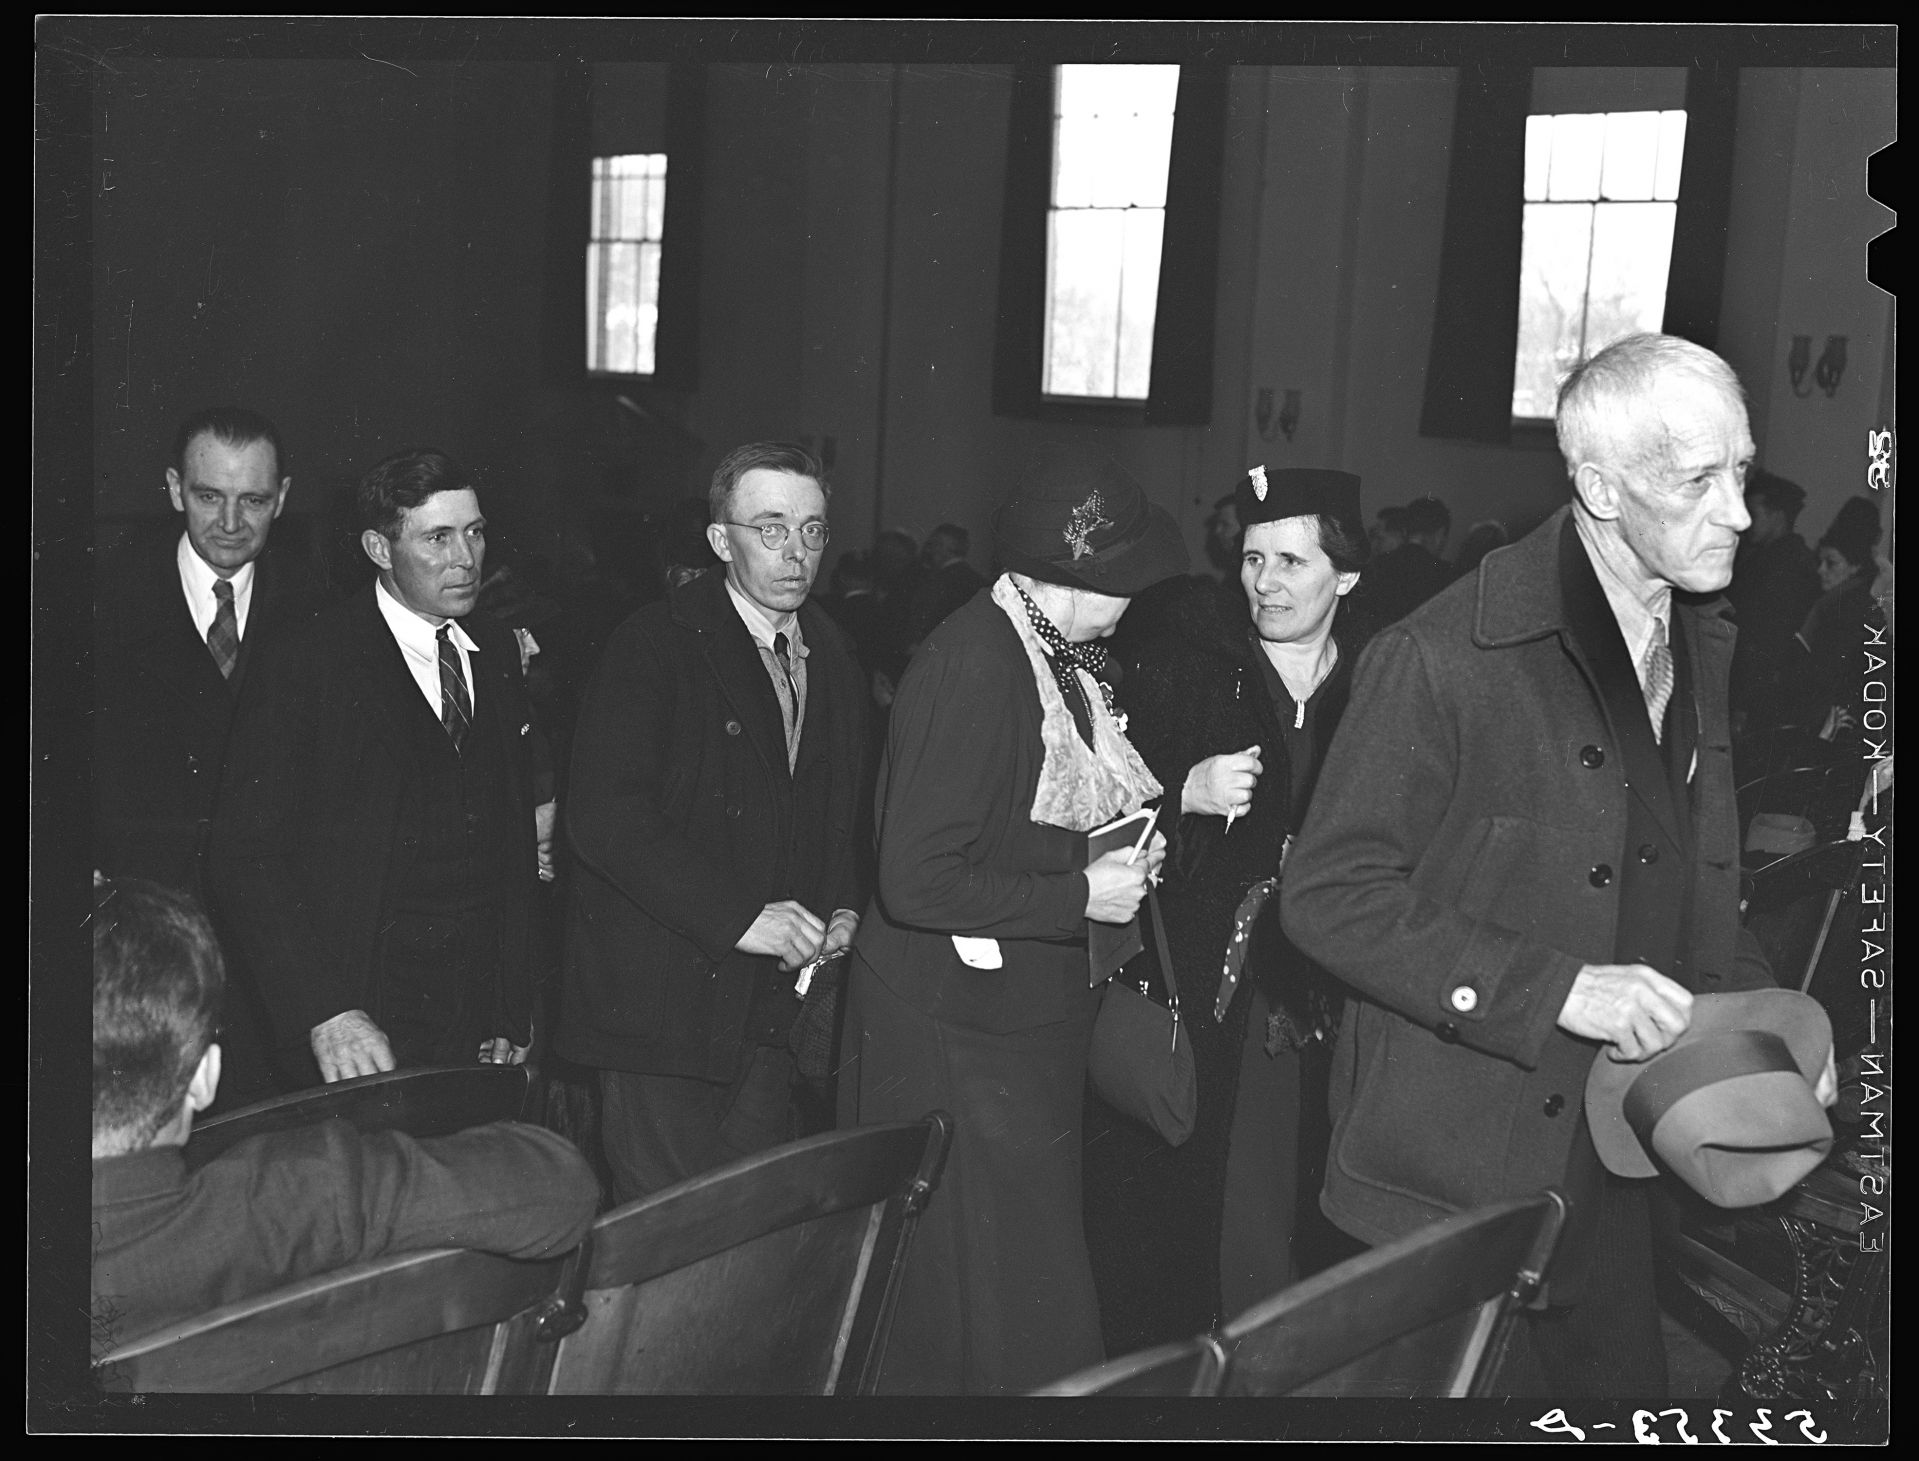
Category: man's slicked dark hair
[234,425]
[158,985]
[1426,515]
[773,456]
[401,483]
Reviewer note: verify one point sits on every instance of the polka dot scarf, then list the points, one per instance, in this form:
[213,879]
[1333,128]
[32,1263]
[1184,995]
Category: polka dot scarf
[1089,656]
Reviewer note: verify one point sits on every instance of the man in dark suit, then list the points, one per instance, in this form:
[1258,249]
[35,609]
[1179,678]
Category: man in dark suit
[1405,576]
[717,770]
[946,581]
[374,849]
[1775,581]
[171,1242]
[180,619]
[1524,854]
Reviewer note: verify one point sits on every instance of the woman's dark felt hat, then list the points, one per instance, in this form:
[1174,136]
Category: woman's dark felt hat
[1269,494]
[1080,519]
[1855,530]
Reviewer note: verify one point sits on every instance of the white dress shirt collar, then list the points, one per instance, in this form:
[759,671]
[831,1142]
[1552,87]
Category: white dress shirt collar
[763,626]
[1636,604]
[196,582]
[419,643]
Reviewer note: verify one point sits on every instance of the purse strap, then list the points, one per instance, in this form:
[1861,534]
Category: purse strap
[1165,954]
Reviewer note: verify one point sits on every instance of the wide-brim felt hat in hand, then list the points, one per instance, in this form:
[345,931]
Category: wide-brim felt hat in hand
[1080,519]
[1272,494]
[1729,1107]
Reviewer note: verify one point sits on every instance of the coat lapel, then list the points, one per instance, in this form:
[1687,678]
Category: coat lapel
[1592,633]
[735,662]
[384,688]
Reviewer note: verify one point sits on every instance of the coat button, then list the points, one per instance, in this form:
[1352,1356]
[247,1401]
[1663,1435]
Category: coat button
[1555,1103]
[1591,757]
[1648,853]
[733,811]
[1465,1000]
[732,727]
[1448,1031]
[1600,876]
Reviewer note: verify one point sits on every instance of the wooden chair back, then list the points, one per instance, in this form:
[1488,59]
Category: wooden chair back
[422,1323]
[774,1275]
[430,1101]
[1191,1367]
[1426,1316]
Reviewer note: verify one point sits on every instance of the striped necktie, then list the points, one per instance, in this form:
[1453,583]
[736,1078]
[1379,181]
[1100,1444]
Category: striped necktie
[791,700]
[456,709]
[1658,679]
[223,637]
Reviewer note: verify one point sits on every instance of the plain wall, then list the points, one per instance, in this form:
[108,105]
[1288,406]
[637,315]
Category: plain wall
[363,253]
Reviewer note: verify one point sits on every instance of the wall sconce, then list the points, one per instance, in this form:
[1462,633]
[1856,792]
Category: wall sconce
[1832,365]
[1287,419]
[1289,411]
[1797,361]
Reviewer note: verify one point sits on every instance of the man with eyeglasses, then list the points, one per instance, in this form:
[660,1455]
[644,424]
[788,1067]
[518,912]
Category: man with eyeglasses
[714,811]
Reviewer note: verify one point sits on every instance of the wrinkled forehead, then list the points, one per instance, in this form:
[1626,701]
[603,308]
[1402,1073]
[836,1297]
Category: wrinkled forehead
[1685,420]
[766,494]
[456,508]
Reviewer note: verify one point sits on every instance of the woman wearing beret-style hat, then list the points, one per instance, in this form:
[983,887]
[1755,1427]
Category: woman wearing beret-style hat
[969,987]
[1233,717]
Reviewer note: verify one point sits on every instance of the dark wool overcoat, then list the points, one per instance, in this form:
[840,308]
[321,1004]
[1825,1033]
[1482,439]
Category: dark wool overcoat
[1474,860]
[687,821]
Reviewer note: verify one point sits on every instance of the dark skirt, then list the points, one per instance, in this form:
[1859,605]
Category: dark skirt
[997,1296]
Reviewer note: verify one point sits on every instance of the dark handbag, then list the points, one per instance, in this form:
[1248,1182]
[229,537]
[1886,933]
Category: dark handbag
[1141,1062]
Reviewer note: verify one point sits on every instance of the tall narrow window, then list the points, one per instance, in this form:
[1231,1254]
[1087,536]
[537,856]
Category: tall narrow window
[1112,145]
[1602,193]
[623,263]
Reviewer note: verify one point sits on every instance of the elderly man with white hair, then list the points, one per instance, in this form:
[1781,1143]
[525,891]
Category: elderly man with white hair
[1534,861]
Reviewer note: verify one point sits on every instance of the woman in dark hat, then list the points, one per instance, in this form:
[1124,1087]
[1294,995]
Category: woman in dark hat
[1832,641]
[1234,718]
[969,985]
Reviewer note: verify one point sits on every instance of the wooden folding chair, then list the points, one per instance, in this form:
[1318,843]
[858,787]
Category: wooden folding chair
[422,1323]
[1428,1315]
[1191,1367]
[429,1101]
[774,1275]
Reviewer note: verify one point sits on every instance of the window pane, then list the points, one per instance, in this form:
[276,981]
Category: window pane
[1139,301]
[1552,297]
[1539,152]
[1084,253]
[1578,140]
[1631,255]
[1089,91]
[1672,151]
[1632,154]
[1076,149]
[623,262]
[1112,161]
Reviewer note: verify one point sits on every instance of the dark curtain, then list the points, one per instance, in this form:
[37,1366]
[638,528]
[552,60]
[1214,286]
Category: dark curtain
[1705,205]
[1469,369]
[1181,393]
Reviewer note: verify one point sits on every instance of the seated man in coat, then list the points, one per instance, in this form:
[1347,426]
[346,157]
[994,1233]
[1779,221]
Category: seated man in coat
[170,1242]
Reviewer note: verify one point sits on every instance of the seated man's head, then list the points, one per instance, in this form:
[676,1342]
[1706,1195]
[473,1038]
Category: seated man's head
[1654,432]
[947,543]
[1388,531]
[421,524]
[158,983]
[1773,503]
[1428,522]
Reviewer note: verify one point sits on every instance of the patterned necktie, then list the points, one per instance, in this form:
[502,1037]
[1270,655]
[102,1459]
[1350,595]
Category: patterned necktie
[1658,679]
[223,638]
[456,710]
[791,702]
